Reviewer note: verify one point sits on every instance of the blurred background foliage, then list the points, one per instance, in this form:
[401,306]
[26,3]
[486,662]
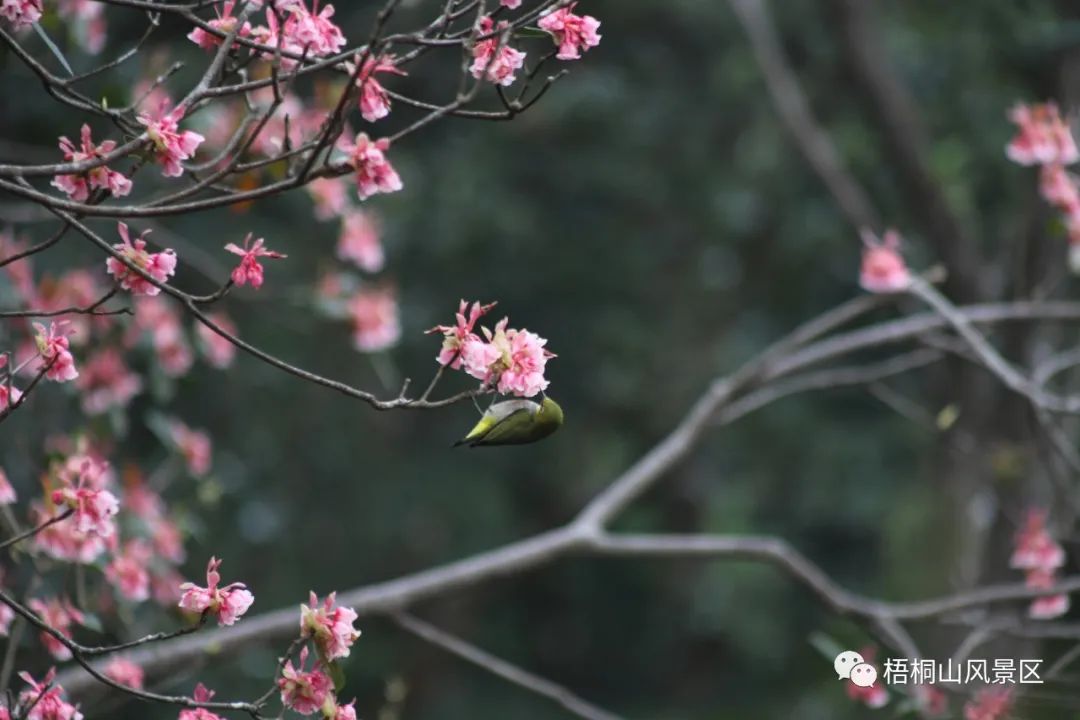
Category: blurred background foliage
[653,220]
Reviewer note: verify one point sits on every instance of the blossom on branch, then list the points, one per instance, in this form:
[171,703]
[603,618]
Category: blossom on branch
[374,173]
[330,196]
[78,186]
[20,13]
[47,699]
[160,265]
[203,695]
[94,506]
[170,144]
[228,602]
[883,267]
[493,58]
[574,34]
[194,446]
[374,100]
[250,270]
[304,691]
[127,572]
[53,347]
[330,626]
[457,336]
[225,22]
[1042,137]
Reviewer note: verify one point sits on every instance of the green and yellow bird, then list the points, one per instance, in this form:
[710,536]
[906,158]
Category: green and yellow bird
[515,422]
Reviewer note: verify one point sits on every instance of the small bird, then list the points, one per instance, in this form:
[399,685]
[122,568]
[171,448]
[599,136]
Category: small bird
[515,422]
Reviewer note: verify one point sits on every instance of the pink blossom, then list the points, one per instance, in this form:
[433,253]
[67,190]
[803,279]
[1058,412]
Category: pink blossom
[20,13]
[1058,187]
[160,265]
[60,615]
[162,321]
[456,336]
[168,541]
[128,572]
[883,268]
[494,59]
[194,445]
[47,699]
[56,357]
[7,492]
[123,671]
[330,196]
[218,351]
[510,4]
[171,145]
[202,695]
[990,703]
[374,100]
[87,22]
[932,701]
[374,173]
[7,616]
[106,382]
[374,314]
[359,241]
[344,712]
[64,541]
[304,691]
[574,34]
[21,272]
[331,627]
[5,400]
[523,359]
[312,32]
[79,186]
[1035,548]
[165,587]
[139,499]
[228,603]
[225,22]
[250,270]
[94,506]
[1042,137]
[1047,606]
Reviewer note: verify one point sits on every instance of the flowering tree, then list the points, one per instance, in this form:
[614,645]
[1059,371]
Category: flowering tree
[274,108]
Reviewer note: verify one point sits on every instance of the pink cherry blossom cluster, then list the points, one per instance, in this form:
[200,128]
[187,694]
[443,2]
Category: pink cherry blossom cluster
[574,34]
[990,703]
[44,700]
[308,691]
[160,320]
[374,173]
[304,31]
[250,270]
[1040,557]
[1043,138]
[493,58]
[53,347]
[60,615]
[79,186]
[160,265]
[225,23]
[374,100]
[171,145]
[20,13]
[201,694]
[510,361]
[883,268]
[228,603]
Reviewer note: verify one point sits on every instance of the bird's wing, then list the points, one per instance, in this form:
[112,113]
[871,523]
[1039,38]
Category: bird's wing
[497,434]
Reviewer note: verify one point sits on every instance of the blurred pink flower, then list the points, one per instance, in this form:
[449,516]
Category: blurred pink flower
[47,699]
[194,445]
[883,268]
[359,241]
[990,703]
[106,382]
[160,265]
[94,507]
[79,186]
[172,145]
[1042,137]
[374,173]
[492,59]
[250,270]
[20,13]
[63,541]
[60,615]
[574,34]
[7,492]
[125,672]
[1035,548]
[330,196]
[304,691]
[1048,606]
[218,351]
[228,603]
[128,571]
[374,314]
[331,627]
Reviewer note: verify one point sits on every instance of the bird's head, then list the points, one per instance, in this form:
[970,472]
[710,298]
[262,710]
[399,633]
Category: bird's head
[550,413]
